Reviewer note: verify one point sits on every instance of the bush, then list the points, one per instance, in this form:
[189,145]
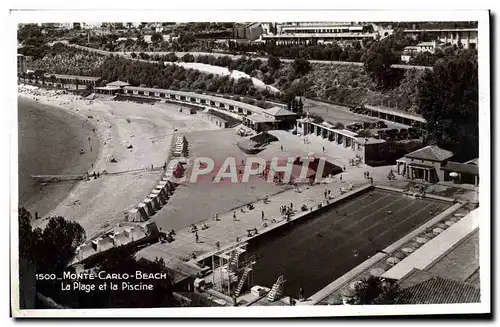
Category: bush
[188,58]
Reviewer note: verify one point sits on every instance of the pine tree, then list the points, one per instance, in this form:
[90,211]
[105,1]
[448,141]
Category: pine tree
[300,106]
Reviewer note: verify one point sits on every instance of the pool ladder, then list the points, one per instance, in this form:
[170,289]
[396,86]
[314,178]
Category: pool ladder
[276,290]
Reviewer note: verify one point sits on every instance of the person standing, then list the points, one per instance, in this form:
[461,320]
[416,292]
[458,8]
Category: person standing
[196,236]
[262,215]
[301,294]
[234,215]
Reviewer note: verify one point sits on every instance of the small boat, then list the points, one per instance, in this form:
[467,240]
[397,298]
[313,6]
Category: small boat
[81,151]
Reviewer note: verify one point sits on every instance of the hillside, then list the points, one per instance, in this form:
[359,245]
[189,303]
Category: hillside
[352,85]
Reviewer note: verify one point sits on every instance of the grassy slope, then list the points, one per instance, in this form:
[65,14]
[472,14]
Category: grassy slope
[351,85]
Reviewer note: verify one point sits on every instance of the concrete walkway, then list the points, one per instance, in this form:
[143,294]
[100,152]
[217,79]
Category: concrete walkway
[434,249]
[226,230]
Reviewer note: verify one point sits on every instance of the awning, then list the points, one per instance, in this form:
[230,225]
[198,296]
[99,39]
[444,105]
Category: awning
[421,166]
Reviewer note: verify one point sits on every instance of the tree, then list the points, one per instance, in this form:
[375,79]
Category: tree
[187,58]
[171,57]
[301,66]
[375,290]
[122,261]
[378,60]
[156,38]
[344,55]
[448,99]
[274,63]
[133,55]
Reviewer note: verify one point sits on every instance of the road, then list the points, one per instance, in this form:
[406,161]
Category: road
[216,54]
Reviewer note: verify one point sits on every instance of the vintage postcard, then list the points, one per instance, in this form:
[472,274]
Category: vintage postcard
[334,162]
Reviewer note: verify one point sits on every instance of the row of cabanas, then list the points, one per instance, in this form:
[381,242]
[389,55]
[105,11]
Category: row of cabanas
[126,235]
[180,148]
[155,200]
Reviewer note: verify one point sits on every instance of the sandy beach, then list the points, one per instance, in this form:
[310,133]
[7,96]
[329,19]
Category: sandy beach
[49,143]
[101,203]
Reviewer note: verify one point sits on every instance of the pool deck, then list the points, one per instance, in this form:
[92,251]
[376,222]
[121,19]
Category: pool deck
[226,231]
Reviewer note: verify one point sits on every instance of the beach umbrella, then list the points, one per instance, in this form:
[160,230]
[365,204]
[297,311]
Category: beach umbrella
[453,174]
[415,245]
[352,285]
[377,272]
[443,225]
[400,255]
[437,230]
[384,266]
[429,235]
[422,240]
[449,222]
[392,261]
[335,300]
[348,293]
[408,250]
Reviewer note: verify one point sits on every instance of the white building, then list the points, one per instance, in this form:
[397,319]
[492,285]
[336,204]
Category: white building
[465,37]
[411,51]
[319,32]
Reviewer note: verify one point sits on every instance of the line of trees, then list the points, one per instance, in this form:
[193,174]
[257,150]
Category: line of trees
[449,101]
[50,250]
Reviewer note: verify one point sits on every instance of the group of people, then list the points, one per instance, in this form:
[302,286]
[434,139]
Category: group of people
[327,193]
[287,211]
[94,174]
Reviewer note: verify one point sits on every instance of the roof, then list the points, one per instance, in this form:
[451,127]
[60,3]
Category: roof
[242,105]
[108,88]
[396,112]
[473,161]
[278,111]
[426,44]
[252,25]
[459,167]
[430,152]
[260,118]
[81,78]
[439,290]
[118,84]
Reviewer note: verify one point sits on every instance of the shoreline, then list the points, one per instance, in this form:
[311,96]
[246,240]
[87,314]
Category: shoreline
[132,137]
[51,194]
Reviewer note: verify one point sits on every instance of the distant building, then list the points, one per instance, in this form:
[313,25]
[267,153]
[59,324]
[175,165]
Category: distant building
[421,287]
[429,47]
[22,63]
[250,32]
[425,164]
[464,173]
[319,32]
[465,37]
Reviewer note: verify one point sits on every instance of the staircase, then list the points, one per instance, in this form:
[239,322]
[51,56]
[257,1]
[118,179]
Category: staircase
[237,291]
[276,290]
[233,260]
